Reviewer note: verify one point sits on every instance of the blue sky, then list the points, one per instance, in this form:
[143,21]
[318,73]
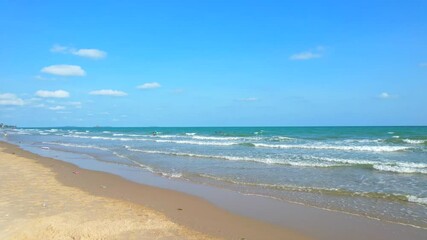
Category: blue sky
[213,63]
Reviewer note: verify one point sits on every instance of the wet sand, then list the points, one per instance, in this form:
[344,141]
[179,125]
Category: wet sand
[43,198]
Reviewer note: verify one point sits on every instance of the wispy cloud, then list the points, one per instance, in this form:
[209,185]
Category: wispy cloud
[75,104]
[57,108]
[53,94]
[83,52]
[424,64]
[386,95]
[10,99]
[108,92]
[38,77]
[250,99]
[149,85]
[307,55]
[59,49]
[64,70]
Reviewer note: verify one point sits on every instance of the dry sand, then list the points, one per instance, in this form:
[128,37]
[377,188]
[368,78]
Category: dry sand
[34,205]
[43,198]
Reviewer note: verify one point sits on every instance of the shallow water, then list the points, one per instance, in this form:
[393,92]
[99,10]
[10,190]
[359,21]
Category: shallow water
[379,172]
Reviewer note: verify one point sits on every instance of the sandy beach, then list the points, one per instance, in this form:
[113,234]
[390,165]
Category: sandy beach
[43,198]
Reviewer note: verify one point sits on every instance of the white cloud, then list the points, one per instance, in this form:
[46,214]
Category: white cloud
[250,99]
[10,99]
[307,55]
[90,53]
[149,85]
[386,95]
[64,70]
[83,52]
[53,94]
[56,108]
[108,92]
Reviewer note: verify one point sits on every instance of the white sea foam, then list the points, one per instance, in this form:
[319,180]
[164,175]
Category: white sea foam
[241,158]
[346,161]
[417,199]
[281,138]
[215,138]
[80,133]
[197,142]
[364,140]
[399,169]
[136,135]
[108,138]
[165,136]
[339,148]
[306,161]
[190,134]
[77,145]
[414,141]
[152,170]
[170,175]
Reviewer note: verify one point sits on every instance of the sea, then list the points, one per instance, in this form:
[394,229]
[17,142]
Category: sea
[376,172]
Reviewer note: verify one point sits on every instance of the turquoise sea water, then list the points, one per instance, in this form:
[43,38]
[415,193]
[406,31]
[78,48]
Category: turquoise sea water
[379,172]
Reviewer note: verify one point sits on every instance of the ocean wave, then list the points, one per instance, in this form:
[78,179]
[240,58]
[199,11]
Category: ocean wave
[319,162]
[406,141]
[170,175]
[330,191]
[339,148]
[414,141]
[84,133]
[165,136]
[417,199]
[363,140]
[215,138]
[124,139]
[280,139]
[197,142]
[307,161]
[237,158]
[77,145]
[156,171]
[399,169]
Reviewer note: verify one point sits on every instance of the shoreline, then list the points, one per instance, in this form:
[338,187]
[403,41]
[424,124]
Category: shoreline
[183,209]
[222,213]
